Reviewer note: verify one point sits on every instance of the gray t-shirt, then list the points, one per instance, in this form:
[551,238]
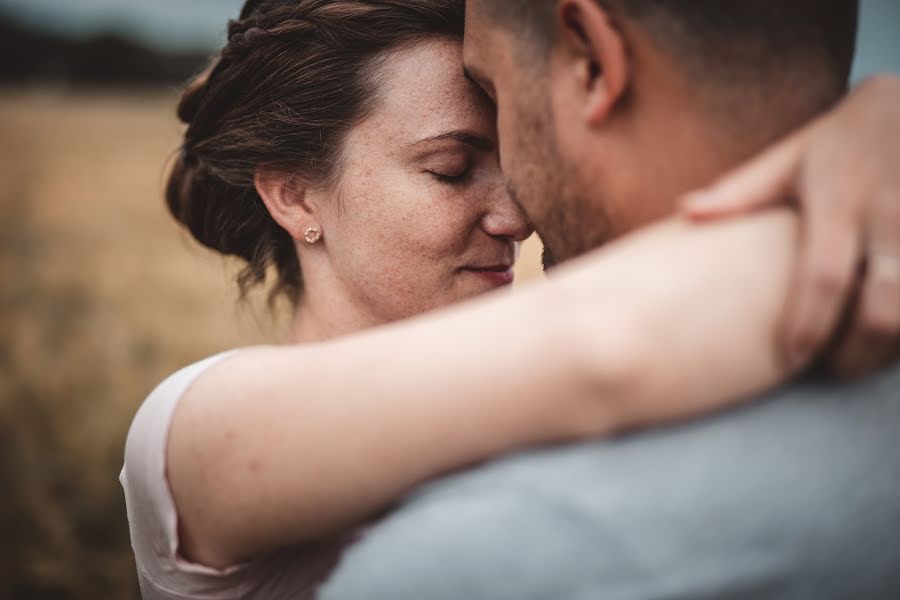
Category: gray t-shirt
[796,496]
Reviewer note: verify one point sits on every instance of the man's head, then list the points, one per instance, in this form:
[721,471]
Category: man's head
[609,110]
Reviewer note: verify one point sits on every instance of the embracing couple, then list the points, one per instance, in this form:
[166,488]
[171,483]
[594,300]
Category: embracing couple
[708,406]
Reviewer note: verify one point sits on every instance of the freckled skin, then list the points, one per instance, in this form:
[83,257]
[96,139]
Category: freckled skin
[396,238]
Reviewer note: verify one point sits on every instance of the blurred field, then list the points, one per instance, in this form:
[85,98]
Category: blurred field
[101,297]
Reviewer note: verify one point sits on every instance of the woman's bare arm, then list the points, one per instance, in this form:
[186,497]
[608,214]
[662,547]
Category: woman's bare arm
[279,446]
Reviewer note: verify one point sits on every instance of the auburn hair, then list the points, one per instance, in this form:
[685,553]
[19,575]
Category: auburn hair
[293,78]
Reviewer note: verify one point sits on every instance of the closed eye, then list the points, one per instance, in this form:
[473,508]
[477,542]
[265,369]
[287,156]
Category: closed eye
[451,179]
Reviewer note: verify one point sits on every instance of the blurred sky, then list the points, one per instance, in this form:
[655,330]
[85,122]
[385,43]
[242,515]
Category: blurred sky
[879,38]
[174,25]
[200,24]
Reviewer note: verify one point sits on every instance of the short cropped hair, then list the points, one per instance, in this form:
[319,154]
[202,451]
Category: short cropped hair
[722,42]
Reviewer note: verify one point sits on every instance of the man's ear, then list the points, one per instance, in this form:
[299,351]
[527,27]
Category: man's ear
[594,50]
[285,198]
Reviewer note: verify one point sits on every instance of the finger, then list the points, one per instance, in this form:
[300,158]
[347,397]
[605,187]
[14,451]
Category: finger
[874,337]
[872,342]
[823,282]
[767,180]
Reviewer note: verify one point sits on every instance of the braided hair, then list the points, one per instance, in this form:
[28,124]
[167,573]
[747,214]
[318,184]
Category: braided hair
[293,78]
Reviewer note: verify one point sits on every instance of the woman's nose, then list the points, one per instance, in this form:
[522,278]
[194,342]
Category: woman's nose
[505,218]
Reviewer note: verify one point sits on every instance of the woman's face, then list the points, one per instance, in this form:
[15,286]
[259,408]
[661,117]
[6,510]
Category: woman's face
[420,217]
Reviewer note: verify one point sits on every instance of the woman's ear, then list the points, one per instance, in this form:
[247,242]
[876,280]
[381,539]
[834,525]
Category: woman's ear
[592,50]
[285,198]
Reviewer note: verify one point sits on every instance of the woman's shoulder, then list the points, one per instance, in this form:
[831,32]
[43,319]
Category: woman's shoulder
[151,422]
[152,517]
[163,573]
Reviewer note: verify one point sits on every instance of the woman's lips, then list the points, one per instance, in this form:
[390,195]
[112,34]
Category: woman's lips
[499,274]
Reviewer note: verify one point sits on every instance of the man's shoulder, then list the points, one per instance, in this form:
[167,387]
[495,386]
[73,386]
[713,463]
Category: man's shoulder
[798,489]
[813,439]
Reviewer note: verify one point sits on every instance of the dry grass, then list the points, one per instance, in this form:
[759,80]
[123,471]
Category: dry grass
[101,297]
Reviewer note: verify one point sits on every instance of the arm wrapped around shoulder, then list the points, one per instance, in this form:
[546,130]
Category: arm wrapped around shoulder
[688,320]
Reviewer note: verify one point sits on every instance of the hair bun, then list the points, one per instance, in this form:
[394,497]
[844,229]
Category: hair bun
[222,217]
[190,196]
[193,96]
[180,188]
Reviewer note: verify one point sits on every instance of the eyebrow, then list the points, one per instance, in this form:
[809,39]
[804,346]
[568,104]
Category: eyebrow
[479,142]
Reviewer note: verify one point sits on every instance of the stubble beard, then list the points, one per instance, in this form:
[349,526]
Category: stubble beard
[566,215]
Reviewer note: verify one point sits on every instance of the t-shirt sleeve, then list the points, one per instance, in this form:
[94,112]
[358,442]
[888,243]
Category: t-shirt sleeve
[152,516]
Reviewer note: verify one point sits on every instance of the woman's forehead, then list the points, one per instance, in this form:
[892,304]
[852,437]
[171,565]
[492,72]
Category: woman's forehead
[425,92]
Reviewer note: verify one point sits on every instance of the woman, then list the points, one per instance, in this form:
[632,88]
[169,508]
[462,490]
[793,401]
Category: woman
[339,139]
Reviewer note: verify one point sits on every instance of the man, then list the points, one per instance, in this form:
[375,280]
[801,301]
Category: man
[608,111]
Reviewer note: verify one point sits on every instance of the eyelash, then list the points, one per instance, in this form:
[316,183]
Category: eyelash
[451,179]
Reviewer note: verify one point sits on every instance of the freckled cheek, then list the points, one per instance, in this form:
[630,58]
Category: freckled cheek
[435,223]
[446,234]
[412,273]
[427,248]
[401,251]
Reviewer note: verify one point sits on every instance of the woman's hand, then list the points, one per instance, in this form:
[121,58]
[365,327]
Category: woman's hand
[844,172]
